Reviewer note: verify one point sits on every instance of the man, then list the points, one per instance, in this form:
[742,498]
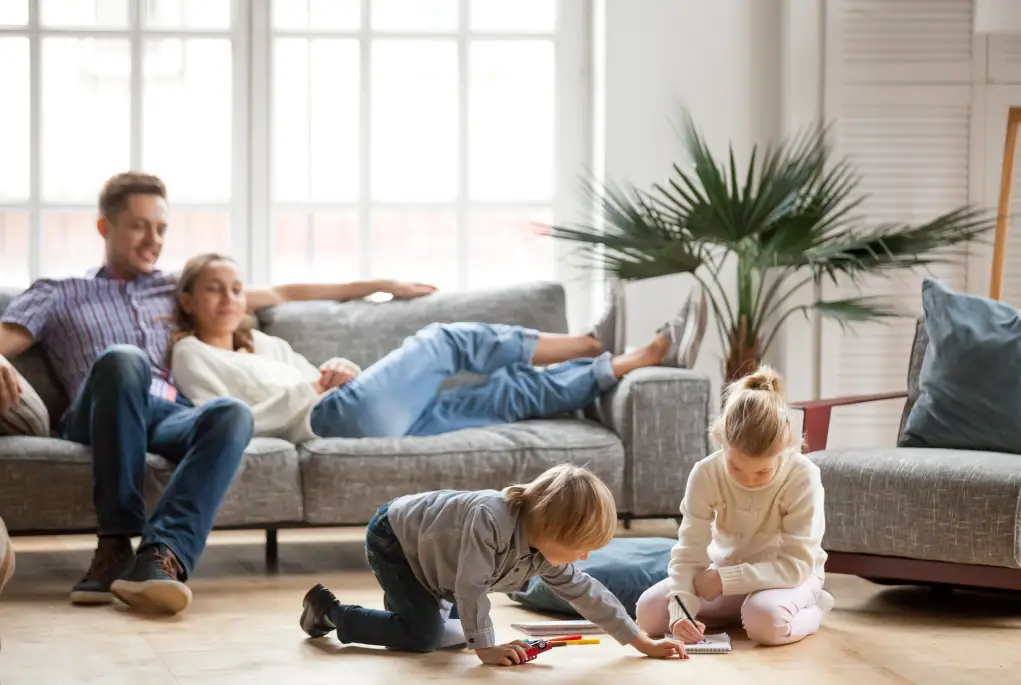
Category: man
[107,339]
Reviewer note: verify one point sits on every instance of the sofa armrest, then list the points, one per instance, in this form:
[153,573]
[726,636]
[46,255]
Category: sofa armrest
[662,416]
[817,415]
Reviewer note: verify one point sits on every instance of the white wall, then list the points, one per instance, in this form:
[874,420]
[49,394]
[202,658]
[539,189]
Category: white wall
[724,60]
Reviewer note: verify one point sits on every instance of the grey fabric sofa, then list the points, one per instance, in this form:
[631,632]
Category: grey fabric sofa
[945,517]
[642,438]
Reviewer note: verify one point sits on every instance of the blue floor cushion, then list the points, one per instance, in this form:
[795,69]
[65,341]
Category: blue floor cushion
[627,567]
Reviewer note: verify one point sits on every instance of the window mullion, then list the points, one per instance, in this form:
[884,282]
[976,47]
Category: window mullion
[260,207]
[35,220]
[365,144]
[135,11]
[463,77]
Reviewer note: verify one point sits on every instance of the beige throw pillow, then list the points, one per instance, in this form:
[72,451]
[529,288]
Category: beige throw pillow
[30,417]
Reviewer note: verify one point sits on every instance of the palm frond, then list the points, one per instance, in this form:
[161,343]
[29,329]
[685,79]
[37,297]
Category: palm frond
[891,247]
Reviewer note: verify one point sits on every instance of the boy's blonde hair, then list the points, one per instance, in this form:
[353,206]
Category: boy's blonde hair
[567,505]
[755,417]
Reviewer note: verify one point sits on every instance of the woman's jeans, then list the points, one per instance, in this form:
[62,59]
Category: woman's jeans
[400,394]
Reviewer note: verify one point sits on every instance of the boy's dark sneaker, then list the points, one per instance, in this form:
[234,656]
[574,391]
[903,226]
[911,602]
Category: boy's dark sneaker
[154,582]
[113,558]
[315,611]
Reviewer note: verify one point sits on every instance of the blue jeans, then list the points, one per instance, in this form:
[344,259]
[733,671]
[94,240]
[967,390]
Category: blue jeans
[413,620]
[400,394]
[116,416]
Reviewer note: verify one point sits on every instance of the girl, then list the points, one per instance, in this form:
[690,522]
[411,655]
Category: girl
[750,541]
[216,355]
[435,551]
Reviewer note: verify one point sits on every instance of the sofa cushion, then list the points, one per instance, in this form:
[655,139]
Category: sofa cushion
[364,331]
[347,480]
[936,504]
[266,487]
[48,484]
[967,391]
[627,567]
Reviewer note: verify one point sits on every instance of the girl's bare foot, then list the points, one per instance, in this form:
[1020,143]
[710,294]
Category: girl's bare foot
[650,354]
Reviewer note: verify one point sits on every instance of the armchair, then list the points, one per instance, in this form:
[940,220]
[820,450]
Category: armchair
[902,515]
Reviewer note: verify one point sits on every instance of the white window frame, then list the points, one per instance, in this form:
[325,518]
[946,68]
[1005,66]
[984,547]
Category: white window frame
[572,135]
[36,206]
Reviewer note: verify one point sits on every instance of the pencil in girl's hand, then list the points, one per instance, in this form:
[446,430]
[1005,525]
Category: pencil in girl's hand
[685,610]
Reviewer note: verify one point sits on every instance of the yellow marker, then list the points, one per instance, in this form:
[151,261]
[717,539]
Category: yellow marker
[591,641]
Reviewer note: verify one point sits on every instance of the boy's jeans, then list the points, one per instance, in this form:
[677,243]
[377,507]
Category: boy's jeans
[400,394]
[413,620]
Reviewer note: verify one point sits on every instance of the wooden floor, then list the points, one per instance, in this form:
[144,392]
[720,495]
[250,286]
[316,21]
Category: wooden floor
[243,628]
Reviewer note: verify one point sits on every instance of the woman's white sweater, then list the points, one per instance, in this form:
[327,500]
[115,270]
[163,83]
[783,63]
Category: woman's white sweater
[275,381]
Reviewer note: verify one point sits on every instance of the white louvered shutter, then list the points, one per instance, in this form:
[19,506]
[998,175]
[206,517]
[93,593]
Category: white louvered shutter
[1004,59]
[898,91]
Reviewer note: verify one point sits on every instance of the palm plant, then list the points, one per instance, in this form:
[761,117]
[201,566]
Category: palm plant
[788,220]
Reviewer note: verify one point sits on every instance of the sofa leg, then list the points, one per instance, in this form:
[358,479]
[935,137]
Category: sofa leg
[272,551]
[627,523]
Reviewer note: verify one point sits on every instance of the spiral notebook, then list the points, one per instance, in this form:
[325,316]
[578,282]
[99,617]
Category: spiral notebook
[712,644]
[548,628]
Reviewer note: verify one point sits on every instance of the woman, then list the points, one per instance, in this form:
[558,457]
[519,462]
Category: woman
[216,354]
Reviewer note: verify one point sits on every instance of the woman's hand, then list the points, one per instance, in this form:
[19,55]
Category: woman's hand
[659,649]
[709,585]
[687,632]
[407,291]
[336,372]
[504,655]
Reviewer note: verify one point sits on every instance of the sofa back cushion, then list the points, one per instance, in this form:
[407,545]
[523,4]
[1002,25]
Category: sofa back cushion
[364,331]
[36,369]
[918,348]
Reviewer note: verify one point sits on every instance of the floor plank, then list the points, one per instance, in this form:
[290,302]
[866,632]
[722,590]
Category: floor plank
[243,628]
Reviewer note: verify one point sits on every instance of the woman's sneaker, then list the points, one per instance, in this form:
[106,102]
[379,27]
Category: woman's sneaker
[609,330]
[686,330]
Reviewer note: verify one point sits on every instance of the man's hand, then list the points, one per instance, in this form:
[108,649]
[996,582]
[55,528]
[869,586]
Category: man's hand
[407,291]
[659,649]
[10,389]
[504,655]
[687,633]
[709,585]
[336,372]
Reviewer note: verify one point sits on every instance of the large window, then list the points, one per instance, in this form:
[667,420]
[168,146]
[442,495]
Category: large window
[313,139]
